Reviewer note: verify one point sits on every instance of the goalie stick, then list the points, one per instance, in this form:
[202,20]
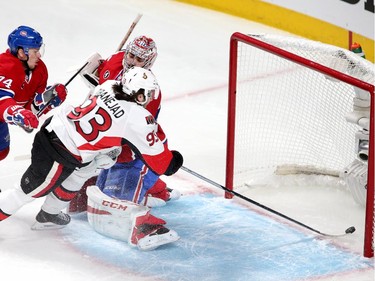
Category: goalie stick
[87,76]
[92,77]
[349,230]
[122,43]
[40,112]
[131,28]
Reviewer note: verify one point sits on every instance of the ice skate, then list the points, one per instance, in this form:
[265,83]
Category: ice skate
[158,236]
[149,233]
[45,221]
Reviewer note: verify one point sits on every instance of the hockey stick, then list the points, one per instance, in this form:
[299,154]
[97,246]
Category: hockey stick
[131,28]
[40,112]
[347,231]
[122,43]
[90,77]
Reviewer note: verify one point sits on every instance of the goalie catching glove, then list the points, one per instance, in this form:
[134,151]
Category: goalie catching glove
[18,115]
[52,97]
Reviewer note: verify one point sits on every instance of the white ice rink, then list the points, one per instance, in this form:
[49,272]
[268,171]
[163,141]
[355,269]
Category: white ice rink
[218,236]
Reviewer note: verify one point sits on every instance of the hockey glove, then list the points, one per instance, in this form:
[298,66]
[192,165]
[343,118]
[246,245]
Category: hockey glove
[18,115]
[89,72]
[103,161]
[52,97]
[106,161]
[175,164]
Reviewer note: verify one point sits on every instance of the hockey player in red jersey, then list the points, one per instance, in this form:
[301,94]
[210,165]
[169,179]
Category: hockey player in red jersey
[76,141]
[141,52]
[23,81]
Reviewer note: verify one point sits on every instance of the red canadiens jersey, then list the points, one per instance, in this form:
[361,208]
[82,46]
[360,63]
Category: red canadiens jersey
[103,122]
[112,69]
[15,86]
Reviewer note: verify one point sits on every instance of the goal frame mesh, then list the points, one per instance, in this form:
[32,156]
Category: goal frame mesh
[241,38]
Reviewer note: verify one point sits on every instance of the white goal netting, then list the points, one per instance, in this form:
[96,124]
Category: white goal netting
[288,115]
[290,111]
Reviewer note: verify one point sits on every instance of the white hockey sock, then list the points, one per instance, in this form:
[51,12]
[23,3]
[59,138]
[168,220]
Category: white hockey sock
[13,199]
[53,205]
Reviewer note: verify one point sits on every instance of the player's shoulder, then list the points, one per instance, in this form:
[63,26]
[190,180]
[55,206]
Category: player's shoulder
[111,68]
[114,60]
[141,114]
[7,60]
[105,90]
[118,56]
[11,69]
[7,54]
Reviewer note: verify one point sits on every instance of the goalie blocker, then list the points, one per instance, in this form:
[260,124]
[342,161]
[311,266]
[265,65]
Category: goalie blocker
[126,221]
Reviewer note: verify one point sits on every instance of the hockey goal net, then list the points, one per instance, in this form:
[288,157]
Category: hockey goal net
[288,98]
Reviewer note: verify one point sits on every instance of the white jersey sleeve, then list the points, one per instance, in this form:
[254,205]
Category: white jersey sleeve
[103,122]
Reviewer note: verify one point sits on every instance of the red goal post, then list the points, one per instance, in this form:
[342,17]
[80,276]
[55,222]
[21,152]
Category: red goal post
[287,102]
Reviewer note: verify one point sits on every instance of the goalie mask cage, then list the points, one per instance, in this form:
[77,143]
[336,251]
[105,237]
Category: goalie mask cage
[287,102]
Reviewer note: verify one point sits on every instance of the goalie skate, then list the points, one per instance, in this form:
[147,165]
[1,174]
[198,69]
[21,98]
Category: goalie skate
[156,238]
[149,233]
[45,221]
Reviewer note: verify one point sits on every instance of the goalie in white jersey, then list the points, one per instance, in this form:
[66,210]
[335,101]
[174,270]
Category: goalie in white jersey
[75,142]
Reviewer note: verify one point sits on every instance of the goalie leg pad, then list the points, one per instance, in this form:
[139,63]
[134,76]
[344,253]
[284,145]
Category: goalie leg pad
[126,221]
[109,216]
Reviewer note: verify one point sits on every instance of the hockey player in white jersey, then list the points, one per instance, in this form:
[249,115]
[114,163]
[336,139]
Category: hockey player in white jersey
[114,205]
[75,142]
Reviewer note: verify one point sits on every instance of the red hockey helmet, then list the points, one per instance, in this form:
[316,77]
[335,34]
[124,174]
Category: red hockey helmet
[143,50]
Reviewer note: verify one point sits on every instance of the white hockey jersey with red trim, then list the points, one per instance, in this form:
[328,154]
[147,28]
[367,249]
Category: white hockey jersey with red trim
[103,122]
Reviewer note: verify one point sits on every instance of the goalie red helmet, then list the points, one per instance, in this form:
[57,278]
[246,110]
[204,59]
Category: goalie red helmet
[140,52]
[138,80]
